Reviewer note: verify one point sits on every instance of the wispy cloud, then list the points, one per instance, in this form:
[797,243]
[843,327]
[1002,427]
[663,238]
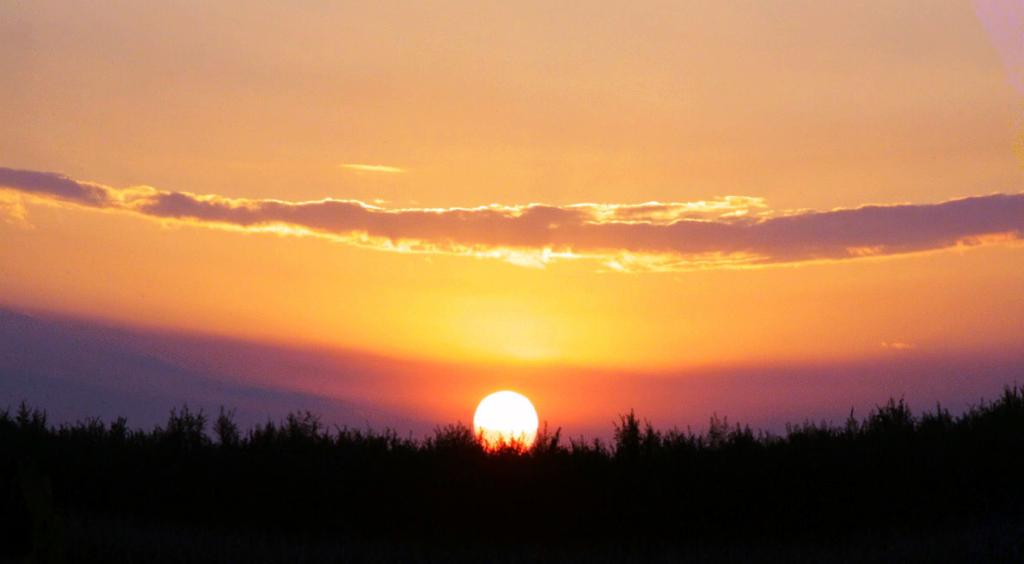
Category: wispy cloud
[729,232]
[12,211]
[372,168]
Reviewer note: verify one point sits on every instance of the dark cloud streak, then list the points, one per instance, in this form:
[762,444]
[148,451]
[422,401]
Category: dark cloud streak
[54,184]
[676,235]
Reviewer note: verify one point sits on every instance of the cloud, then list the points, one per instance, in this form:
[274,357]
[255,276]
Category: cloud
[12,211]
[734,231]
[372,168]
[53,184]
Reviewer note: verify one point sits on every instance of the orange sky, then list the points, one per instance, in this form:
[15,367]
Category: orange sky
[802,105]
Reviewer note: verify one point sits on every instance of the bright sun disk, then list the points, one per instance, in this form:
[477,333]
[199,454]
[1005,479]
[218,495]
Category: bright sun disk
[504,418]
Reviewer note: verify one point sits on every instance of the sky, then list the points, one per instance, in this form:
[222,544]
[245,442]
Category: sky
[630,203]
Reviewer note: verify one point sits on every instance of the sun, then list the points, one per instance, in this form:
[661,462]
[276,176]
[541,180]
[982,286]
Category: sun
[504,418]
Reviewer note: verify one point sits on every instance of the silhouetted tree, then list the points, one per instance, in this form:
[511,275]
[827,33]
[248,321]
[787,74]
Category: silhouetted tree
[890,473]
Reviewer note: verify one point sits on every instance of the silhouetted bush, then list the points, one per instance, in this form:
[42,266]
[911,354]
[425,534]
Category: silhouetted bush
[892,474]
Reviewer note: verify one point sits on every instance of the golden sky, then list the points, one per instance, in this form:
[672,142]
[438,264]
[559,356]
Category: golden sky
[651,186]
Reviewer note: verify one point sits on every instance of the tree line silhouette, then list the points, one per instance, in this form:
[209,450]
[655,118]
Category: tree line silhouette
[884,477]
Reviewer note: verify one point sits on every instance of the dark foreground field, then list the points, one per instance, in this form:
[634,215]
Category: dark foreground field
[893,487]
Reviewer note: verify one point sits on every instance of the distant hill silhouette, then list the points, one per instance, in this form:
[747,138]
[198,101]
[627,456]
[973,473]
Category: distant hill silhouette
[892,486]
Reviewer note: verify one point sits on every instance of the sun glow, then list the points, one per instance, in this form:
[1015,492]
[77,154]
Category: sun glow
[505,418]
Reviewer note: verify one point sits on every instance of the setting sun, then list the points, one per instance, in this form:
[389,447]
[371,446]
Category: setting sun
[505,418]
[293,281]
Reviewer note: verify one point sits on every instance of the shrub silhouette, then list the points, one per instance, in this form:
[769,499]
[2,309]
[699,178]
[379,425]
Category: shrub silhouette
[890,473]
[226,430]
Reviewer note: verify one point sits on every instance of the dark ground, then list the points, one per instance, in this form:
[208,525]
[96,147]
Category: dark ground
[893,487]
